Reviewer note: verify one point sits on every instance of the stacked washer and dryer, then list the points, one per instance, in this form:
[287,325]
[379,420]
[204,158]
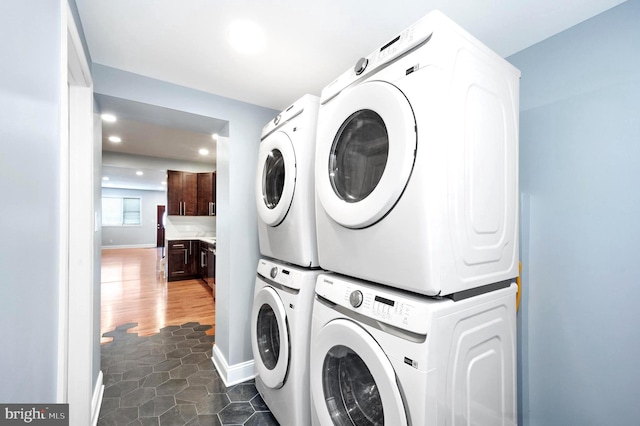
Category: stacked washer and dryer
[288,271]
[406,195]
[416,175]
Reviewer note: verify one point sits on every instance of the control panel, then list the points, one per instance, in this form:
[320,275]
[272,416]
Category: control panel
[279,120]
[281,274]
[419,33]
[400,309]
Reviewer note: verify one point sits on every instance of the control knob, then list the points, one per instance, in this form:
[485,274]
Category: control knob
[274,272]
[355,298]
[361,65]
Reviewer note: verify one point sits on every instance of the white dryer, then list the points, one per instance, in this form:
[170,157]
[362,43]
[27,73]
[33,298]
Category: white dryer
[381,356]
[280,330]
[417,164]
[285,185]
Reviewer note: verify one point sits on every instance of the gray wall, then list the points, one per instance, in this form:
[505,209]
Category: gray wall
[236,229]
[132,236]
[580,145]
[30,99]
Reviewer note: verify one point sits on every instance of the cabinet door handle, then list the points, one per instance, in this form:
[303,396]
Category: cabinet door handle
[203,262]
[185,256]
[213,208]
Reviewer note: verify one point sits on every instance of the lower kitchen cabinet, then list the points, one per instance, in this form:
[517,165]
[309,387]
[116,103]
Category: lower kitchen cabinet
[182,260]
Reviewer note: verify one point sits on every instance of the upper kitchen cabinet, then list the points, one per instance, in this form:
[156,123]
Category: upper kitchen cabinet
[207,194]
[182,193]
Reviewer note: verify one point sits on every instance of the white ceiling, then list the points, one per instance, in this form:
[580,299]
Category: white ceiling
[124,177]
[308,44]
[154,131]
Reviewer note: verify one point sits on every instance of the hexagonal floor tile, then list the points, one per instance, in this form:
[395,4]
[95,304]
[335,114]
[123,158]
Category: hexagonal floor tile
[236,413]
[169,379]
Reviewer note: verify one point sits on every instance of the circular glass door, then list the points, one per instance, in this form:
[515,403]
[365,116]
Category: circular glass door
[351,394]
[270,338]
[358,156]
[365,153]
[275,178]
[352,380]
[273,175]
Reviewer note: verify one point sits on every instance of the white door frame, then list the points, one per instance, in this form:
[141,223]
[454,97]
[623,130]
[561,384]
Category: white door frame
[77,232]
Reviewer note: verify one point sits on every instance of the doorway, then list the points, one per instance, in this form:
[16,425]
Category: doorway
[160,223]
[134,287]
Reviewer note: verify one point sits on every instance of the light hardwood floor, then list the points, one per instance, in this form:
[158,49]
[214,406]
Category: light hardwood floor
[135,289]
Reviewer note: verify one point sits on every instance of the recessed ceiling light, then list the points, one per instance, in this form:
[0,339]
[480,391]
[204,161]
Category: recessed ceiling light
[115,139]
[109,118]
[139,173]
[246,36]
[105,178]
[203,151]
[214,136]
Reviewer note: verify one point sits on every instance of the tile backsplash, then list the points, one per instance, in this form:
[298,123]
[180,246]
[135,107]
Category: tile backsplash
[190,226]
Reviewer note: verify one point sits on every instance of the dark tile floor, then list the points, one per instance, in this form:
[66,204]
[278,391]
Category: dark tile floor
[168,379]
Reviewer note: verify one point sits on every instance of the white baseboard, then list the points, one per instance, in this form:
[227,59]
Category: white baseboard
[96,401]
[130,246]
[232,374]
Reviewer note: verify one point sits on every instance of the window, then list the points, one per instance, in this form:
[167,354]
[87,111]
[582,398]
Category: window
[121,211]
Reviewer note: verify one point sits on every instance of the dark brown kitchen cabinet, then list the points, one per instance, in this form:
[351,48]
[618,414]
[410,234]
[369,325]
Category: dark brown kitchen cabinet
[182,260]
[207,194]
[182,193]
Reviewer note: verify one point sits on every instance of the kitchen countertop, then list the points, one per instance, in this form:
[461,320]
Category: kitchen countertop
[210,240]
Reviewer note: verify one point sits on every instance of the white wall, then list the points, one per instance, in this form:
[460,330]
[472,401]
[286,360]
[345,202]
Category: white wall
[580,145]
[135,236]
[30,99]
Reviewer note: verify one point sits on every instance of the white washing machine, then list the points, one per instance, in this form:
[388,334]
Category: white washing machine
[280,329]
[285,185]
[382,356]
[417,164]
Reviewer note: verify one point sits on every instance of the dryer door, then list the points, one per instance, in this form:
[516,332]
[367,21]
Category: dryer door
[352,380]
[270,338]
[275,178]
[366,149]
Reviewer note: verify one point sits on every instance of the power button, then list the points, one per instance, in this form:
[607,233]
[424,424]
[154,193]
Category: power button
[355,298]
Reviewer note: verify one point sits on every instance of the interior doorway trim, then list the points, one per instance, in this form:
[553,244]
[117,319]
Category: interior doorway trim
[78,224]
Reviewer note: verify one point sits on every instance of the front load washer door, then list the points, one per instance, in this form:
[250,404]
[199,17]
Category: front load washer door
[275,178]
[352,380]
[270,338]
[366,149]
